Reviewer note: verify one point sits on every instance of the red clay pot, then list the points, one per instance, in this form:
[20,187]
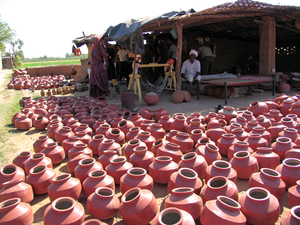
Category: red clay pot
[84,127]
[210,152]
[258,108]
[194,161]
[166,122]
[116,134]
[40,122]
[97,178]
[125,125]
[240,120]
[64,210]
[195,123]
[117,168]
[225,142]
[266,158]
[162,168]
[179,123]
[109,144]
[291,217]
[291,133]
[37,159]
[259,206]
[13,211]
[294,195]
[147,138]
[215,133]
[95,143]
[54,152]
[156,130]
[132,133]
[23,123]
[185,177]
[264,121]
[270,180]
[80,149]
[223,210]
[136,177]
[158,144]
[240,134]
[184,141]
[105,158]
[146,113]
[263,132]
[293,153]
[173,215]
[84,137]
[238,147]
[141,157]
[16,189]
[21,159]
[41,142]
[63,133]
[85,166]
[282,145]
[172,150]
[255,141]
[196,135]
[138,206]
[275,129]
[290,171]
[128,149]
[184,198]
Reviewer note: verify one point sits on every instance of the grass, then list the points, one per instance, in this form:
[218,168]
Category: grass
[49,63]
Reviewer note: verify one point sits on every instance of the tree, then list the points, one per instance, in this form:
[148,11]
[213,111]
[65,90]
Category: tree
[6,34]
[17,53]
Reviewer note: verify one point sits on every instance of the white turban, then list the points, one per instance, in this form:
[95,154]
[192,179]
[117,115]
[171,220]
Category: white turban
[193,51]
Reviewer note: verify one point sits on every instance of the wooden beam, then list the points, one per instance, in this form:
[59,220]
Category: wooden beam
[179,28]
[280,26]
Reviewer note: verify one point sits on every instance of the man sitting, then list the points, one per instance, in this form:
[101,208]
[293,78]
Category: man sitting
[191,70]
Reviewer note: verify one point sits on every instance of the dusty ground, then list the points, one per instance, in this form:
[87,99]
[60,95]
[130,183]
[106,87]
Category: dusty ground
[23,140]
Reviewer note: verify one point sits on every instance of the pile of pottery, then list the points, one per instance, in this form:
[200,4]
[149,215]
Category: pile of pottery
[196,159]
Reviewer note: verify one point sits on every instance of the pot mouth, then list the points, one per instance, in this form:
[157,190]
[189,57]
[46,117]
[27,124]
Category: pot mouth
[122,123]
[258,193]
[145,133]
[188,173]
[170,216]
[134,129]
[118,160]
[63,203]
[291,130]
[264,150]
[137,171]
[62,177]
[221,164]
[183,134]
[97,173]
[291,162]
[134,142]
[24,154]
[115,131]
[195,120]
[174,132]
[229,202]
[228,136]
[283,140]
[203,140]
[173,145]
[242,118]
[84,125]
[196,131]
[105,125]
[42,138]
[241,154]
[295,211]
[87,162]
[242,143]
[9,169]
[50,145]
[212,147]
[98,137]
[270,173]
[286,119]
[180,117]
[158,142]
[80,145]
[37,169]
[163,159]
[105,192]
[140,149]
[131,194]
[189,155]
[37,155]
[9,202]
[217,182]
[183,190]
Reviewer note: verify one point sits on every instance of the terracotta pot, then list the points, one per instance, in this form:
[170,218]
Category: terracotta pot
[136,177]
[258,108]
[79,149]
[64,186]
[158,113]
[52,129]
[271,104]
[16,189]
[291,133]
[73,124]
[103,204]
[244,164]
[40,122]
[179,123]
[116,134]
[141,157]
[238,147]
[162,168]
[263,132]
[172,150]
[151,98]
[105,158]
[158,144]
[128,149]
[232,126]
[142,202]
[95,143]
[293,153]
[156,130]
[147,138]
[92,222]
[219,186]
[117,168]
[97,124]
[223,210]
[145,124]
[64,210]
[109,144]
[146,113]
[264,121]
[229,113]
[85,166]
[290,171]
[166,122]
[84,137]
[284,87]
[132,133]
[282,145]
[240,134]
[210,152]
[288,122]
[258,204]
[114,123]
[54,152]
[73,162]
[173,215]
[255,141]
[184,141]
[40,177]
[291,217]
[225,142]
[97,178]
[270,180]
[40,143]
[240,120]
[266,158]
[276,114]
[215,133]
[220,168]
[294,195]
[185,177]
[21,159]
[37,159]
[184,198]
[196,135]
[248,115]
[13,211]
[194,161]
[23,123]
[251,125]
[84,127]
[125,125]
[63,133]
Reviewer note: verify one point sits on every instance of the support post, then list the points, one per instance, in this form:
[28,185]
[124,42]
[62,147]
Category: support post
[179,27]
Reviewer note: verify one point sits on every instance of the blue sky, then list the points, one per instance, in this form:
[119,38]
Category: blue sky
[48,27]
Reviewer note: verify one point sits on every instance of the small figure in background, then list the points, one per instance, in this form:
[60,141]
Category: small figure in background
[111,70]
[123,60]
[207,59]
[172,50]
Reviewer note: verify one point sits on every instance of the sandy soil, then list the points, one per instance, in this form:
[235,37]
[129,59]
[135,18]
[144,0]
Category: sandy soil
[23,140]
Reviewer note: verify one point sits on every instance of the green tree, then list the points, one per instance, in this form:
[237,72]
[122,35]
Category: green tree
[17,53]
[6,34]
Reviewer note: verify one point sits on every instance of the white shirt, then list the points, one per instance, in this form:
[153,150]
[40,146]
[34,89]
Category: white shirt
[189,68]
[123,55]
[173,50]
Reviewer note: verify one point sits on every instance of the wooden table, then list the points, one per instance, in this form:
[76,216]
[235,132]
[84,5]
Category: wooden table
[235,82]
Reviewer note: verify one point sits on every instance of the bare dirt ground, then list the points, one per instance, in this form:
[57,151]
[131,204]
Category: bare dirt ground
[23,140]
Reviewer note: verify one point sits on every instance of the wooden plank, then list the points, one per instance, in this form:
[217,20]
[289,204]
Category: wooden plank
[239,81]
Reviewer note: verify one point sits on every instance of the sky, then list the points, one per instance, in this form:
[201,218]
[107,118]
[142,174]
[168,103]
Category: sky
[48,27]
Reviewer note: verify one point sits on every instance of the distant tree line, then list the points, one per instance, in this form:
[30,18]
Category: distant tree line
[68,56]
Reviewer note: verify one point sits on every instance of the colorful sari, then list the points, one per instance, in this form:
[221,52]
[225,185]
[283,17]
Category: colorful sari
[99,80]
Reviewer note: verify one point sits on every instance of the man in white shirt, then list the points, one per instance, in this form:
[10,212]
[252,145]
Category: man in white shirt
[122,59]
[191,69]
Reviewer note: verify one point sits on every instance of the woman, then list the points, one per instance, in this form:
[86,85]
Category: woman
[99,63]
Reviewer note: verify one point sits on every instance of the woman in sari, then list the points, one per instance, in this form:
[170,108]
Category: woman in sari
[99,63]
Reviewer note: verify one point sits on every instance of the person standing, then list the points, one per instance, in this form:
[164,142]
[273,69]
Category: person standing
[207,59]
[122,58]
[99,64]
[111,70]
[191,70]
[172,50]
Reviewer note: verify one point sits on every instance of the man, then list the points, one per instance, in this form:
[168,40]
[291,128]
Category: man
[207,59]
[191,69]
[172,51]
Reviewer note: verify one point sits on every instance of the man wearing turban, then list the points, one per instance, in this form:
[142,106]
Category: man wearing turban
[191,70]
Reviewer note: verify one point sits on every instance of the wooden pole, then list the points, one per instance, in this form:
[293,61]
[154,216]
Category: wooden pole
[179,28]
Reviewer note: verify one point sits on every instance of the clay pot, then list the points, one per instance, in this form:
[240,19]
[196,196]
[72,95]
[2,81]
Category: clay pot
[184,141]
[282,145]
[125,125]
[255,141]
[128,149]
[225,142]
[73,124]
[294,195]
[105,158]
[166,122]
[97,178]
[266,158]
[103,204]
[116,134]
[109,144]
[219,186]
[162,168]
[16,189]
[276,114]
[158,113]
[13,211]
[223,210]
[36,160]
[264,121]
[40,177]
[151,98]
[85,166]
[177,97]
[196,135]
[84,137]
[260,131]
[210,152]
[171,134]
[132,133]
[142,202]
[229,113]
[284,87]
[240,134]
[293,153]
[195,123]
[95,143]
[64,185]
[179,123]
[291,133]
[141,157]
[41,142]
[295,109]
[145,124]
[288,122]
[248,115]
[258,108]
[146,113]
[240,120]
[10,172]
[184,198]
[80,149]
[244,164]
[194,161]
[117,168]
[73,162]
[63,133]
[156,130]
[136,177]
[215,133]
[290,171]
[147,138]
[185,177]
[21,159]
[172,150]
[40,122]
[173,215]
[23,123]
[54,152]
[64,210]
[258,204]
[291,217]
[84,127]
